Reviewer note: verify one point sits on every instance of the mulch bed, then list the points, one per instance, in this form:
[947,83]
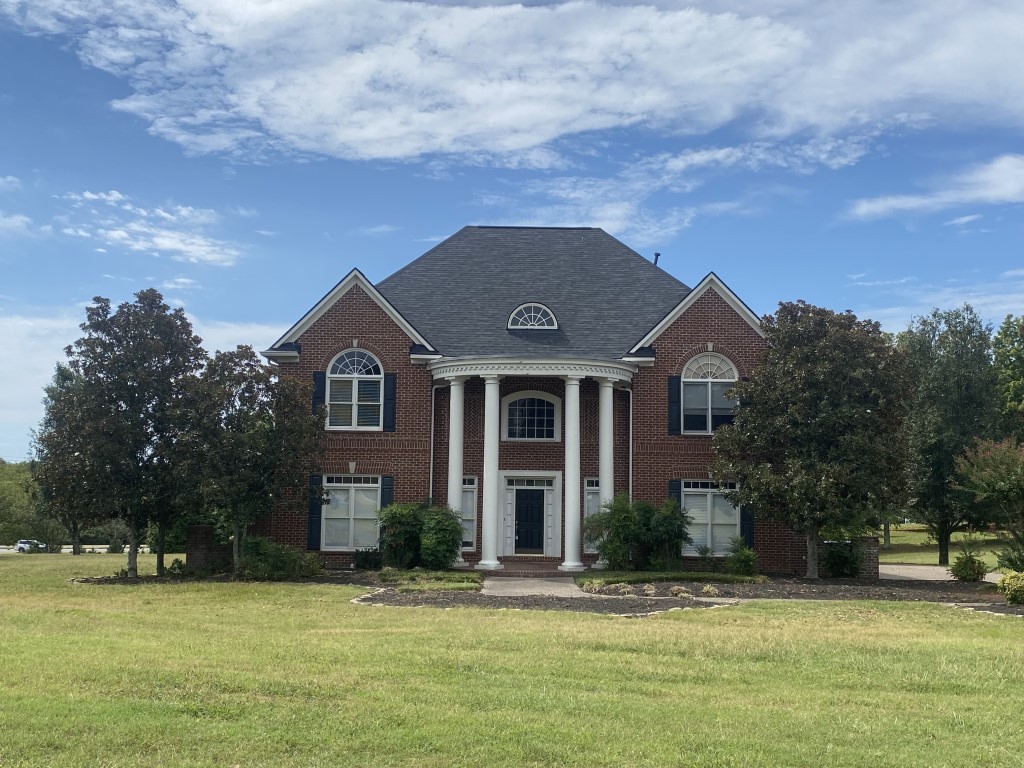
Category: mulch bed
[610,600]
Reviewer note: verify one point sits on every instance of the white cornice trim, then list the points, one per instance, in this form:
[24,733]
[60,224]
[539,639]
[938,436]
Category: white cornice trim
[710,281]
[352,279]
[510,366]
[281,355]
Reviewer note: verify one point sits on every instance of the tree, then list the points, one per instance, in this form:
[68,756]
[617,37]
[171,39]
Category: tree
[956,402]
[254,437]
[135,364]
[21,516]
[818,442]
[1008,354]
[993,471]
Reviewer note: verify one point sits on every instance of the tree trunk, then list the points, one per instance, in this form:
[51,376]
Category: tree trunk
[236,543]
[886,540]
[133,549]
[812,553]
[76,539]
[942,536]
[161,538]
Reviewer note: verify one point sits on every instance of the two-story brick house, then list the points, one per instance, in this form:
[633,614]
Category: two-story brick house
[523,376]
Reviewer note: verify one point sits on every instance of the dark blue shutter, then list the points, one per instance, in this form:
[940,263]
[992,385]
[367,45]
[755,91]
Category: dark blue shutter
[387,491]
[675,491]
[319,390]
[747,526]
[675,405]
[316,483]
[390,386]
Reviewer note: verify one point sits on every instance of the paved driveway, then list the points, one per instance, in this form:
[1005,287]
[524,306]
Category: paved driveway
[922,572]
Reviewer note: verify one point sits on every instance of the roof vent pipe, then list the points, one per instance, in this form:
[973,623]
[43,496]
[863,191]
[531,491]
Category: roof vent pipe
[656,257]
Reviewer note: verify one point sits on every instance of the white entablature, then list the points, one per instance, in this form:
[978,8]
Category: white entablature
[447,368]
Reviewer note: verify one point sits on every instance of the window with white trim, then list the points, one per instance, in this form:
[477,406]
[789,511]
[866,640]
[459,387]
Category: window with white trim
[469,487]
[715,521]
[531,416]
[591,506]
[355,391]
[349,515]
[706,378]
[532,315]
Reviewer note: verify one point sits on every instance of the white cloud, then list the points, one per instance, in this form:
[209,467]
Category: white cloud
[999,181]
[961,221]
[504,84]
[880,283]
[180,284]
[379,229]
[178,231]
[14,224]
[8,183]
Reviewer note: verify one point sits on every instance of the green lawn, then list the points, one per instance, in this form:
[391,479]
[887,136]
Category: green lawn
[226,674]
[910,544]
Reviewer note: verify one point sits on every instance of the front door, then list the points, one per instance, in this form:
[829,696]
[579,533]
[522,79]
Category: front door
[529,521]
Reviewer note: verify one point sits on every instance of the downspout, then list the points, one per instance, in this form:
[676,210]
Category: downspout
[630,391]
[430,477]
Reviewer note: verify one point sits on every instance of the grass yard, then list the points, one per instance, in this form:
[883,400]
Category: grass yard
[910,544]
[225,674]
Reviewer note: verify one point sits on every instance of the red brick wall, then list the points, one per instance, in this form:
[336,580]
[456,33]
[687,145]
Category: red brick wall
[658,456]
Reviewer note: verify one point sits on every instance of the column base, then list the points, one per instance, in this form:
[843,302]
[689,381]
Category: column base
[485,565]
[572,567]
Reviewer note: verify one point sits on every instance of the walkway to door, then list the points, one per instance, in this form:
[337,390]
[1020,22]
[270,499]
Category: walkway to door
[505,586]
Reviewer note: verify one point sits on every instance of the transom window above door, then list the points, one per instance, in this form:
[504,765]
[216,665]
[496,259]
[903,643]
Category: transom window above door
[532,315]
[706,378]
[354,391]
[531,416]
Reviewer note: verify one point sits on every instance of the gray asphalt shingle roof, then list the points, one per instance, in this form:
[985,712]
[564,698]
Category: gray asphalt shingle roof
[460,293]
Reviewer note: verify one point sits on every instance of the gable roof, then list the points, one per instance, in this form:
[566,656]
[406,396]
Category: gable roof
[285,347]
[710,281]
[603,294]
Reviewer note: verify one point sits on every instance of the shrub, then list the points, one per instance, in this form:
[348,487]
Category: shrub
[368,560]
[841,559]
[1012,587]
[265,560]
[441,538]
[968,566]
[742,560]
[1012,557]
[705,559]
[638,535]
[414,535]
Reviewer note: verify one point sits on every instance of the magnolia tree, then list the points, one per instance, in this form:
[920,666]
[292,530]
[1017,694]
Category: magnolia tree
[818,441]
[993,472]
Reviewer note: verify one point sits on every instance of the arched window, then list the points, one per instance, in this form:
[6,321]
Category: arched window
[706,379]
[532,316]
[354,391]
[531,415]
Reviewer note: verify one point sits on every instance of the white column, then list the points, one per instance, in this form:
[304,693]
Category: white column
[572,476]
[456,422]
[492,497]
[606,442]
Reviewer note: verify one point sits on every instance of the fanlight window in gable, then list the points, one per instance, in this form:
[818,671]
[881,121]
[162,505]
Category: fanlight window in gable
[706,379]
[532,316]
[354,391]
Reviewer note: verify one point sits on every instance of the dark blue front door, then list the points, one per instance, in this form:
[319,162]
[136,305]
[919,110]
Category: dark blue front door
[529,521]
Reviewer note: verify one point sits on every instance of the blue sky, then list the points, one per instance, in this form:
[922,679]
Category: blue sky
[242,156]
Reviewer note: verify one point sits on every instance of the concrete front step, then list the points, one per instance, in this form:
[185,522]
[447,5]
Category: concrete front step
[525,570]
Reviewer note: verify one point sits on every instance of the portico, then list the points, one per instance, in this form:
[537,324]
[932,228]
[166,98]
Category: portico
[531,416]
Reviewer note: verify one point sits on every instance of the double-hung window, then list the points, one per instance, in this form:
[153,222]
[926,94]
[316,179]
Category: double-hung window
[591,505]
[349,518]
[706,378]
[714,520]
[355,391]
[468,513]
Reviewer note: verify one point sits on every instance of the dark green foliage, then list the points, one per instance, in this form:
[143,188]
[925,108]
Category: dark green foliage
[368,560]
[819,441]
[841,559]
[1012,557]
[441,538]
[742,560]
[638,535]
[956,402]
[992,472]
[706,561]
[265,560]
[419,535]
[1012,587]
[1008,353]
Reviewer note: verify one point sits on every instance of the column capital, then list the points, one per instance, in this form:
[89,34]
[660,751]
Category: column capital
[604,381]
[573,379]
[489,377]
[457,379]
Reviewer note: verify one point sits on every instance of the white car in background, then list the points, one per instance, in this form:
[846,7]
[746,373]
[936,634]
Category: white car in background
[30,545]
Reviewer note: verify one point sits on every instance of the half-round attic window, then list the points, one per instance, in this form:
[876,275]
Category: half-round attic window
[532,316]
[708,365]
